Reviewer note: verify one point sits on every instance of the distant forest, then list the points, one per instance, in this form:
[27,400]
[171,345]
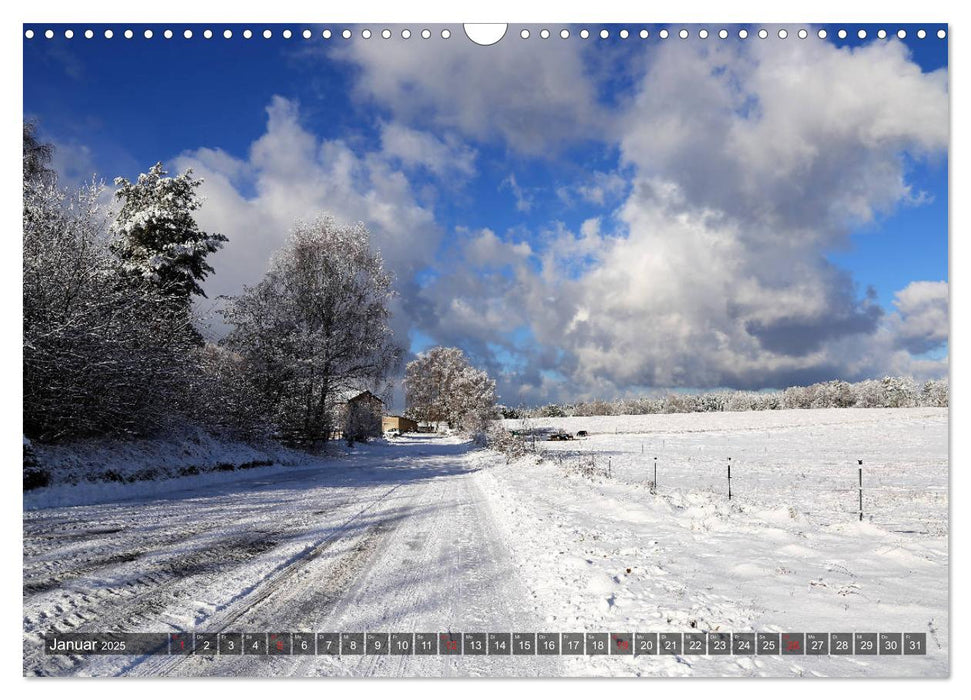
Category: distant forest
[889,392]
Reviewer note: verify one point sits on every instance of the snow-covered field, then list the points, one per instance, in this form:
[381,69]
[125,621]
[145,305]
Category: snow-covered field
[806,460]
[787,554]
[429,534]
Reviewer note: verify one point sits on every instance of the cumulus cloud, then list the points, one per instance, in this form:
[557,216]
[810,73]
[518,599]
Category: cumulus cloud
[290,174]
[804,135]
[531,96]
[921,319]
[443,157]
[748,166]
[740,167]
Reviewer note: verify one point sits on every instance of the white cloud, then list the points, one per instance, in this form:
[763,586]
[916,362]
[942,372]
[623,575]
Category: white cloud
[921,320]
[444,157]
[524,200]
[801,134]
[290,174]
[73,163]
[532,96]
[741,167]
[601,188]
[749,165]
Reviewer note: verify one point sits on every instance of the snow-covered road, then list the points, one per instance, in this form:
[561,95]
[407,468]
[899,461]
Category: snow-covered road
[398,538]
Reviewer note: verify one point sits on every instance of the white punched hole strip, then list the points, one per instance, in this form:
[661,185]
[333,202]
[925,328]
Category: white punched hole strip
[484,34]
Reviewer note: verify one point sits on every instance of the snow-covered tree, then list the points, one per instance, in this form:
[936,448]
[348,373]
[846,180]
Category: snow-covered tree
[441,386]
[315,326]
[900,392]
[474,404]
[551,410]
[100,353]
[796,397]
[679,403]
[156,235]
[428,383]
[935,393]
[868,394]
[37,158]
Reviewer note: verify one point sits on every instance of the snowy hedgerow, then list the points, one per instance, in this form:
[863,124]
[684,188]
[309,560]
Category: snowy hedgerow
[156,236]
[890,392]
[225,399]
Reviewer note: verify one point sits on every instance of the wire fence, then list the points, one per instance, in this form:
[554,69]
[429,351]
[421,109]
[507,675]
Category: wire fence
[906,494]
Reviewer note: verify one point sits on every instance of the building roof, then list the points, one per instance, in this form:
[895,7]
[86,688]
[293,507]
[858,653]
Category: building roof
[356,394]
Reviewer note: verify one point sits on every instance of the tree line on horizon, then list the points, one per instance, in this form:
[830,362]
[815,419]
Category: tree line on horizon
[888,392]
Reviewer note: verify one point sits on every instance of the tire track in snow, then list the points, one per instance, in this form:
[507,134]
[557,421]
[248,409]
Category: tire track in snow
[263,591]
[141,596]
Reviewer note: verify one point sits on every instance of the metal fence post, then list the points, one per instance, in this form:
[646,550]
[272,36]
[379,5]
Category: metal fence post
[729,478]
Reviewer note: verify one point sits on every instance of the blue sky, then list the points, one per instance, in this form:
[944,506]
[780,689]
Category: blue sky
[584,217]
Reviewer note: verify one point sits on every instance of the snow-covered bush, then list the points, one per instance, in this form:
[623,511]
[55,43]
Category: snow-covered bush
[225,399]
[588,466]
[509,411]
[502,440]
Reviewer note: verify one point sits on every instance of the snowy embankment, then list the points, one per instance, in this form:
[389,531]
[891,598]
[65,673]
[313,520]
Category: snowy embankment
[91,471]
[787,554]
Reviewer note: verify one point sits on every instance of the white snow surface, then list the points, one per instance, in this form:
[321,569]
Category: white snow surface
[77,469]
[428,534]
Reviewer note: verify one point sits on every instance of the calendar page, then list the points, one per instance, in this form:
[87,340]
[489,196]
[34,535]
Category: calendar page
[496,350]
